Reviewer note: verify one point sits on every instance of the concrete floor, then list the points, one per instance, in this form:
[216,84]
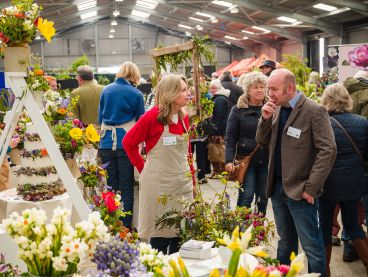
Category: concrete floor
[338,267]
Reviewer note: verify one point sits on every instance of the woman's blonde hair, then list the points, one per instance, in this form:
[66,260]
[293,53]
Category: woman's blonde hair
[252,78]
[130,72]
[336,99]
[167,91]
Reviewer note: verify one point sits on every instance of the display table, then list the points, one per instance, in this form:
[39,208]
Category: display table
[11,202]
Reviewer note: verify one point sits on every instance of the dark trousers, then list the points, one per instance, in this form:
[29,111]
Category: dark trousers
[203,164]
[120,177]
[165,245]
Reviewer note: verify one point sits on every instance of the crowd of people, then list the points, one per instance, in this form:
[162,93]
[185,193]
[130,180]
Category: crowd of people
[310,159]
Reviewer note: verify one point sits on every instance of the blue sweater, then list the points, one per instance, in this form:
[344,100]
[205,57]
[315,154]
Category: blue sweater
[120,102]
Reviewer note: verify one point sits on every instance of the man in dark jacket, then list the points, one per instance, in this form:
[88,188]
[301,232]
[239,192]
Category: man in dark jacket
[267,67]
[235,90]
[358,90]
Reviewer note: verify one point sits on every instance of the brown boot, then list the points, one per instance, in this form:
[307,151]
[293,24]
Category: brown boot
[361,247]
[328,250]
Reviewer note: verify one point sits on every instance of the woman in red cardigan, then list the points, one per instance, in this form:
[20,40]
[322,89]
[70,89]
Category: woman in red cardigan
[165,171]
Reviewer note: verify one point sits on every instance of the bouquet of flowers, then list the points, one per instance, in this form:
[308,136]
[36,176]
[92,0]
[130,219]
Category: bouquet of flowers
[57,108]
[92,174]
[54,249]
[207,220]
[117,257]
[6,269]
[36,79]
[151,258]
[110,207]
[20,23]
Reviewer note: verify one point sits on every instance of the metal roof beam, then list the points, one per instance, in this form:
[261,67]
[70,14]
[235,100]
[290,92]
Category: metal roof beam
[352,4]
[320,24]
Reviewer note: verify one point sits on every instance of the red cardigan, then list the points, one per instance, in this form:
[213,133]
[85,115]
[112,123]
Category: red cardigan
[149,130]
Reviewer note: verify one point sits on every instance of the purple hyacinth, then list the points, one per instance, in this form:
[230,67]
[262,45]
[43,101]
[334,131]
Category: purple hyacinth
[64,103]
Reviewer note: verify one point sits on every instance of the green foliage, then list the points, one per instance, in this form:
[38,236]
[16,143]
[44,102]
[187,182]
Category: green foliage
[103,80]
[80,61]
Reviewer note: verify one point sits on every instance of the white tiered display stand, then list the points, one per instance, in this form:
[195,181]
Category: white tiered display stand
[24,99]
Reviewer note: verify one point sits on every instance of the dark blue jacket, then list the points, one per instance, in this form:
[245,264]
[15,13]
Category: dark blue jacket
[221,111]
[346,180]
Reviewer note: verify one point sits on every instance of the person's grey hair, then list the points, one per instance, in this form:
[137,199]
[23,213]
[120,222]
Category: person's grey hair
[314,77]
[216,83]
[252,78]
[361,74]
[336,99]
[85,72]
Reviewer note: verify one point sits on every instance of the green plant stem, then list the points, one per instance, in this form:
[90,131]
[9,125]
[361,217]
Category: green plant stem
[234,261]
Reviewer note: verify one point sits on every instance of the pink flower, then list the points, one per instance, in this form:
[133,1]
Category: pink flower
[283,268]
[77,123]
[73,143]
[358,57]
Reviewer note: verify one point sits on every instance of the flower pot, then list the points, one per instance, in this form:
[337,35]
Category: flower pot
[16,58]
[88,193]
[38,97]
[72,165]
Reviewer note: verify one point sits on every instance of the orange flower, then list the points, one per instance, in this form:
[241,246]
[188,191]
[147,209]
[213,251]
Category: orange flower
[25,222]
[44,152]
[70,114]
[61,111]
[38,72]
[19,15]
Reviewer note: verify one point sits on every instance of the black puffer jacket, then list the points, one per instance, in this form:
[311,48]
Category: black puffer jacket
[346,180]
[235,91]
[220,111]
[241,132]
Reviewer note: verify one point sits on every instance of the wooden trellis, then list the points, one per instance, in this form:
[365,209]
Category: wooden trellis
[155,53]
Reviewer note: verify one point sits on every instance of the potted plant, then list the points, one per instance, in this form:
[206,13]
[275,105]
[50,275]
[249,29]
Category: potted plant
[93,178]
[19,25]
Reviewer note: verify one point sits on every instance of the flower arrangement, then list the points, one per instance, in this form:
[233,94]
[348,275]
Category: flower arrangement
[54,249]
[6,269]
[34,154]
[41,191]
[151,258]
[206,220]
[20,23]
[111,209]
[117,257]
[92,174]
[36,80]
[57,108]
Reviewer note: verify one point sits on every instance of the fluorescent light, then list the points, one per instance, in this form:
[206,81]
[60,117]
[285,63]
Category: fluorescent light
[112,30]
[267,32]
[86,5]
[196,19]
[245,37]
[321,54]
[115,13]
[259,28]
[149,4]
[287,19]
[88,15]
[199,27]
[140,14]
[227,42]
[114,23]
[234,10]
[111,36]
[185,26]
[188,34]
[113,52]
[38,37]
[230,37]
[222,3]
[119,0]
[204,14]
[248,32]
[325,7]
[214,20]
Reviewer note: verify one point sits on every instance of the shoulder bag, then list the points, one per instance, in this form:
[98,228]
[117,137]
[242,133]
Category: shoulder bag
[241,166]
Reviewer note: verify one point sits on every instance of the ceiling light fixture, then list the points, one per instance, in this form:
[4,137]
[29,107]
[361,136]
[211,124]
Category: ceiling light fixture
[227,42]
[111,36]
[119,0]
[248,32]
[149,4]
[204,14]
[234,10]
[188,34]
[196,19]
[259,28]
[230,37]
[214,20]
[112,30]
[114,23]
[222,3]
[88,15]
[185,26]
[245,37]
[84,5]
[324,7]
[140,14]
[287,19]
[199,27]
[38,37]
[116,13]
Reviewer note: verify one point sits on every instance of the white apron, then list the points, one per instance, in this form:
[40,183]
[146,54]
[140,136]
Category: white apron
[165,172]
[126,126]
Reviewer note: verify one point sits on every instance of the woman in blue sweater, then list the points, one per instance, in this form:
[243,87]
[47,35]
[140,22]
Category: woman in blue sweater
[121,105]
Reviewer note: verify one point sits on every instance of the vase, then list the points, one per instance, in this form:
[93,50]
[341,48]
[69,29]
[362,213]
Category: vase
[72,164]
[38,97]
[16,59]
[88,193]
[15,156]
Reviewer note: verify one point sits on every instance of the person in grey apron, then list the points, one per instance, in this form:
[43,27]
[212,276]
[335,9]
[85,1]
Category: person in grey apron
[121,105]
[165,171]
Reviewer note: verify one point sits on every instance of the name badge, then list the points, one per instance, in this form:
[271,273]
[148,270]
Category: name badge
[170,140]
[294,132]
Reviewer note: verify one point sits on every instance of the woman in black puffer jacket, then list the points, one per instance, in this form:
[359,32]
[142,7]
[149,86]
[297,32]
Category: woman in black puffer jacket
[348,180]
[240,140]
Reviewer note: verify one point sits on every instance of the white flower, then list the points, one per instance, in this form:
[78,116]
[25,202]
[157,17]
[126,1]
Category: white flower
[60,263]
[274,273]
[11,10]
[28,25]
[51,229]
[22,242]
[332,52]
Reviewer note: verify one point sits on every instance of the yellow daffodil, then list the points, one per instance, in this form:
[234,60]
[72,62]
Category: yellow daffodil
[215,273]
[92,134]
[46,28]
[76,133]
[297,263]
